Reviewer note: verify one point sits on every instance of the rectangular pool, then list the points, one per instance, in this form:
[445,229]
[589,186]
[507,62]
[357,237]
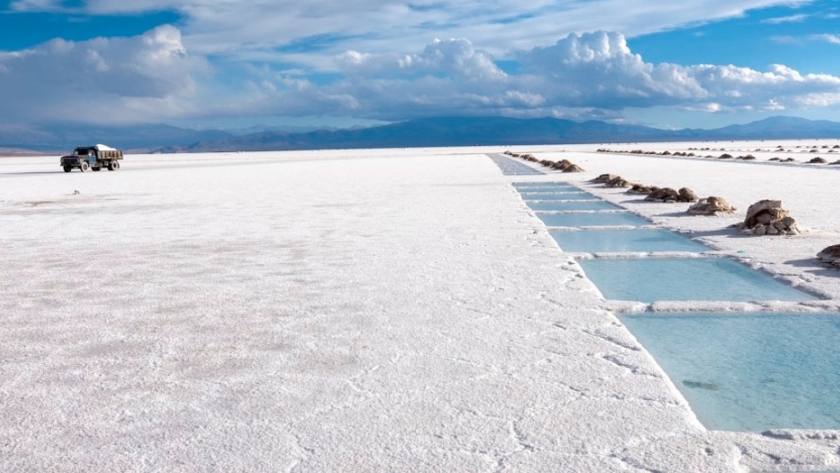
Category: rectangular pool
[558,195]
[685,279]
[750,372]
[509,167]
[561,206]
[552,190]
[646,240]
[542,186]
[592,219]
[580,195]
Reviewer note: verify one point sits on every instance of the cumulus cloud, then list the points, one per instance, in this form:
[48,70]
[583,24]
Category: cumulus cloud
[103,79]
[274,30]
[589,75]
[153,77]
[455,57]
[598,69]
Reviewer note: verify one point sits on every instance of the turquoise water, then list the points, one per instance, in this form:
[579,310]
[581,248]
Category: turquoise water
[685,279]
[578,195]
[598,219]
[592,241]
[571,205]
[509,167]
[542,186]
[557,190]
[750,372]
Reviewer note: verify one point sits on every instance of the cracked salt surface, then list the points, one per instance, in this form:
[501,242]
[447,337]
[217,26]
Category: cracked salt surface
[376,310]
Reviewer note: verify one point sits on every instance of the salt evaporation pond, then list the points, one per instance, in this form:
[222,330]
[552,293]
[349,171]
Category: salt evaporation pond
[564,206]
[745,372]
[564,191]
[642,240]
[578,195]
[509,167]
[542,186]
[685,279]
[592,219]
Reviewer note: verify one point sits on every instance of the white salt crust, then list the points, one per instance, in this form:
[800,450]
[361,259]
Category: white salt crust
[370,310]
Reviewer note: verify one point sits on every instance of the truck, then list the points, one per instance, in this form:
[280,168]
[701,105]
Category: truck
[94,157]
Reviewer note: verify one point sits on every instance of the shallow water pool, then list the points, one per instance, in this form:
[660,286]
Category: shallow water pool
[509,167]
[577,195]
[555,190]
[561,206]
[685,279]
[592,219]
[645,240]
[542,186]
[750,372]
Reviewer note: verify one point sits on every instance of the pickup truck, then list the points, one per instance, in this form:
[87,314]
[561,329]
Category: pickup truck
[94,157]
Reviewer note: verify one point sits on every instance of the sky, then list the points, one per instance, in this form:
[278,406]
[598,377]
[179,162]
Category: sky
[231,64]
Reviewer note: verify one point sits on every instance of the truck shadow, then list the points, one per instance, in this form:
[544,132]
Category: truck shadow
[60,172]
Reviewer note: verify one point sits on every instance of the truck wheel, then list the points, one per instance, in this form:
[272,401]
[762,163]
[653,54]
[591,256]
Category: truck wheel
[68,168]
[116,165]
[111,166]
[84,166]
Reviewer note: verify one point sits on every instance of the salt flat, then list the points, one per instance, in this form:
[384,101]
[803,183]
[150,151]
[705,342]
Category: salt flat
[370,310]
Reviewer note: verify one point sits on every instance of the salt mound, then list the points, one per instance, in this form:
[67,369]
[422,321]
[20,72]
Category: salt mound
[711,206]
[768,217]
[665,194]
[830,255]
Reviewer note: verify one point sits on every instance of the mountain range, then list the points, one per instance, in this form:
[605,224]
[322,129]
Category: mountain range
[425,132]
[60,137]
[467,131]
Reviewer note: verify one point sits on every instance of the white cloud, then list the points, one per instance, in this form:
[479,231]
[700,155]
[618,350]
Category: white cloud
[594,73]
[598,69]
[35,5]
[786,19]
[103,79]
[829,38]
[591,75]
[801,40]
[454,57]
[277,30]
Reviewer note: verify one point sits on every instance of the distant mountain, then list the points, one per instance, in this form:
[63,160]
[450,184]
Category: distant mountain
[467,131]
[448,131]
[19,152]
[426,132]
[781,127]
[280,129]
[61,138]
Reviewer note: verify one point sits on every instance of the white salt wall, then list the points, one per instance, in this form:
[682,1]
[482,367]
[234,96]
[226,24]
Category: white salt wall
[328,311]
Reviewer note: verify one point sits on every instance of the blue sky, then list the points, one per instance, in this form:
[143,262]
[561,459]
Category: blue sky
[216,63]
